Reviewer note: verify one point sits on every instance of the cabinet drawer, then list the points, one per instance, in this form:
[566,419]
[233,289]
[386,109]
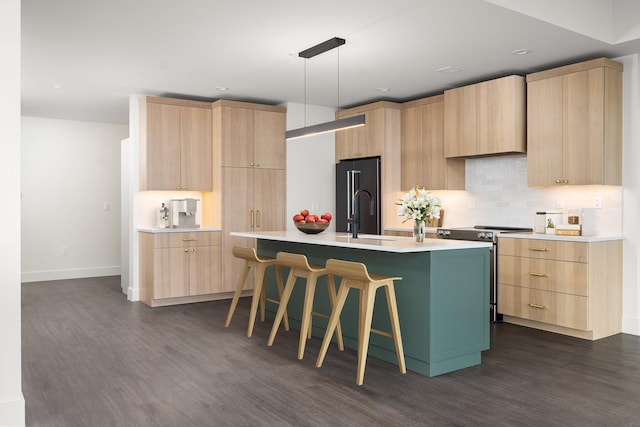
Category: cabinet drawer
[188,239]
[548,275]
[544,249]
[570,311]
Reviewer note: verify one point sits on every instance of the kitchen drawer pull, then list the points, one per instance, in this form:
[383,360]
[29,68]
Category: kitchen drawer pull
[192,250]
[538,274]
[543,307]
[258,218]
[251,224]
[186,250]
[189,239]
[539,249]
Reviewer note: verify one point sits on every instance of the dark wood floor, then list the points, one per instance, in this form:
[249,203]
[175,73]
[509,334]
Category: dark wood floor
[91,358]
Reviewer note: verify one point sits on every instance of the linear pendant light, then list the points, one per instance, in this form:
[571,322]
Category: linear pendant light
[340,124]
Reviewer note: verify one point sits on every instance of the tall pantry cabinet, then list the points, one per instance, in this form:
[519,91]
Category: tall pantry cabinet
[249,140]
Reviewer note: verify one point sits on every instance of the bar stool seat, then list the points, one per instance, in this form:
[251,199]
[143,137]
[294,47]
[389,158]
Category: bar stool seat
[355,275]
[299,267]
[260,265]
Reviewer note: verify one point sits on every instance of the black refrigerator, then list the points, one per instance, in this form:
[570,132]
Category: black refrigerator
[352,175]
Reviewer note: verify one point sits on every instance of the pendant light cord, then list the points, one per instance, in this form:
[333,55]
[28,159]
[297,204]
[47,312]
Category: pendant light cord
[305,92]
[338,78]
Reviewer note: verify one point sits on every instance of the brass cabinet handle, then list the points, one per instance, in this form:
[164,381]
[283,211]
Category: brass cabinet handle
[192,250]
[251,218]
[565,181]
[258,218]
[538,274]
[558,181]
[251,164]
[543,307]
[539,249]
[177,187]
[189,239]
[257,165]
[186,250]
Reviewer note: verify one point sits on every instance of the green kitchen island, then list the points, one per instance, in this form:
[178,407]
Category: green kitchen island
[443,299]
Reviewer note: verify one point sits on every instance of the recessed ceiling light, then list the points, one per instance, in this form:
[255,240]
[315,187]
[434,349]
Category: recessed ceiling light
[221,88]
[383,89]
[448,70]
[57,86]
[521,52]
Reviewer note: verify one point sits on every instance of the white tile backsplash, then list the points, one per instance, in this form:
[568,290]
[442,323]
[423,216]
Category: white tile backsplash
[497,194]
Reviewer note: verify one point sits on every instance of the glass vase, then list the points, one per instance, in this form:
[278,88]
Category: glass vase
[418,231]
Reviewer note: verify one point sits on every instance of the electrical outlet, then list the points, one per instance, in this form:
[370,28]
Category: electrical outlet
[559,202]
[64,250]
[597,202]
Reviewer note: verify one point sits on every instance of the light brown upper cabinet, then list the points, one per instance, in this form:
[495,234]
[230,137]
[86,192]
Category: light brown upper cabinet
[175,147]
[574,116]
[485,118]
[423,160]
[369,140]
[254,134]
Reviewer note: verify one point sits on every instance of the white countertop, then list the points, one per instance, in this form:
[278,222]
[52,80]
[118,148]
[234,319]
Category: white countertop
[541,236]
[365,241]
[177,230]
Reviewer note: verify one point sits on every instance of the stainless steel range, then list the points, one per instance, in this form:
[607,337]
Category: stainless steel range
[487,234]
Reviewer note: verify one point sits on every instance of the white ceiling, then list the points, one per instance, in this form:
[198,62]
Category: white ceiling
[103,51]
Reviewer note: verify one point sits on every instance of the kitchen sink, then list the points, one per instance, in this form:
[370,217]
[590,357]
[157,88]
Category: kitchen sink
[348,238]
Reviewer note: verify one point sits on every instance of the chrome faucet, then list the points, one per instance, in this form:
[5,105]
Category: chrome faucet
[355,219]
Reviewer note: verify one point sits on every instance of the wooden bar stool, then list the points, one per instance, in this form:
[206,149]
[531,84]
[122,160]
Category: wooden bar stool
[259,264]
[355,275]
[300,268]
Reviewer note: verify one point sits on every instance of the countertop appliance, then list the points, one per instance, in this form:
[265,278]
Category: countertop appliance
[183,213]
[488,234]
[353,177]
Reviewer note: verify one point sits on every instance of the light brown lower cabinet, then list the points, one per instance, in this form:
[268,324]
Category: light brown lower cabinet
[571,288]
[178,268]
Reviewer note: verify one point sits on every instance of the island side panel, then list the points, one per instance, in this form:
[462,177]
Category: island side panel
[415,304]
[459,314]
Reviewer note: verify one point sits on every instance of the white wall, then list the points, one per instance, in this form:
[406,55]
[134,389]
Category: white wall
[11,398]
[310,163]
[631,194]
[69,170]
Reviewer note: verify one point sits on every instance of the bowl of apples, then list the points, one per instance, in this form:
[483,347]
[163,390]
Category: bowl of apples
[310,223]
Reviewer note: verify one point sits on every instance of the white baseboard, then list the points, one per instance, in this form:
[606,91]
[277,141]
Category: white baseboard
[133,294]
[631,326]
[77,273]
[12,413]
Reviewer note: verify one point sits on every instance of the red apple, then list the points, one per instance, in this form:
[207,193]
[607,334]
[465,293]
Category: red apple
[314,216]
[323,221]
[304,212]
[326,216]
[298,218]
[310,218]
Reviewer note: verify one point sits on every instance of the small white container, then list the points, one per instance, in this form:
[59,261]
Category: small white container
[551,220]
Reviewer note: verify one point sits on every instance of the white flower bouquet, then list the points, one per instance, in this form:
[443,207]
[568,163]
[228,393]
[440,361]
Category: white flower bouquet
[419,204]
